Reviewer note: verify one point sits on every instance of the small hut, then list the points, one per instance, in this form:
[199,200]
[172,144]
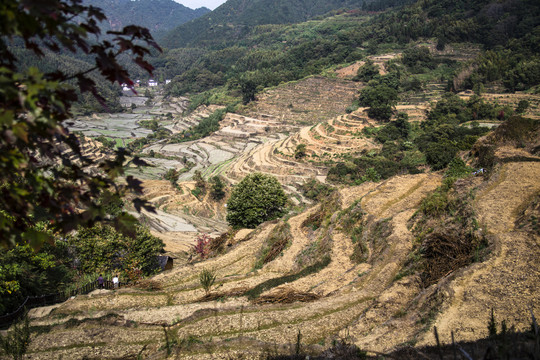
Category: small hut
[165,262]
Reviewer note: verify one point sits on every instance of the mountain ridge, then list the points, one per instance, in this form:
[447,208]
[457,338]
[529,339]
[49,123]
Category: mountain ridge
[156,15]
[234,16]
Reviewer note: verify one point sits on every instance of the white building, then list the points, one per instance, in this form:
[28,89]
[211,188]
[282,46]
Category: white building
[152,82]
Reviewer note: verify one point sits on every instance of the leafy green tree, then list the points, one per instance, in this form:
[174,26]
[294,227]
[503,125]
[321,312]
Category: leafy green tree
[418,58]
[200,185]
[25,271]
[300,151]
[367,72]
[248,88]
[143,250]
[217,189]
[101,248]
[36,171]
[199,180]
[438,155]
[381,100]
[395,130]
[256,199]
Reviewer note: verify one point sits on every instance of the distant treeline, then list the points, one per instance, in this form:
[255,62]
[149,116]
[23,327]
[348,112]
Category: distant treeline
[267,55]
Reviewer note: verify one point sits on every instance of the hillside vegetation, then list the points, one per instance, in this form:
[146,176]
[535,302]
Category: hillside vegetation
[265,55]
[340,178]
[363,259]
[235,18]
[158,16]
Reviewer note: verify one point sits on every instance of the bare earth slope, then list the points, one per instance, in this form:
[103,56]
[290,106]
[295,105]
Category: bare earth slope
[509,280]
[363,299]
[344,261]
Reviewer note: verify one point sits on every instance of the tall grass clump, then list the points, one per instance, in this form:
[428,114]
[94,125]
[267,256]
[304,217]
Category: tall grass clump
[207,278]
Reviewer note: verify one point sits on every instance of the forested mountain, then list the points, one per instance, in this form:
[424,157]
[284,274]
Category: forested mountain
[265,55]
[234,18]
[156,15]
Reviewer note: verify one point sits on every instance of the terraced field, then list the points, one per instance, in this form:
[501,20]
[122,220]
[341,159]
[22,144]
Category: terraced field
[211,155]
[126,126]
[512,100]
[344,261]
[261,124]
[324,141]
[305,102]
[362,299]
[344,294]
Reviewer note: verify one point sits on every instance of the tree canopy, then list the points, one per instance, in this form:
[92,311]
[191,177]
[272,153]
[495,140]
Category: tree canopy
[256,199]
[381,100]
[39,178]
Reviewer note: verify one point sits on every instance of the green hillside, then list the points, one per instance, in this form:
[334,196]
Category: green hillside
[156,15]
[266,55]
[234,19]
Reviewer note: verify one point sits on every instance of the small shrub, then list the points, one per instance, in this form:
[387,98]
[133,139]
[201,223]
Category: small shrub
[457,169]
[16,341]
[172,175]
[170,340]
[199,180]
[360,250]
[316,190]
[197,192]
[446,232]
[216,245]
[328,207]
[201,245]
[522,106]
[217,188]
[435,204]
[517,129]
[300,151]
[207,278]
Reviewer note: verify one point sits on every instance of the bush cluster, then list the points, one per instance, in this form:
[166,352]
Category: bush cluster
[256,199]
